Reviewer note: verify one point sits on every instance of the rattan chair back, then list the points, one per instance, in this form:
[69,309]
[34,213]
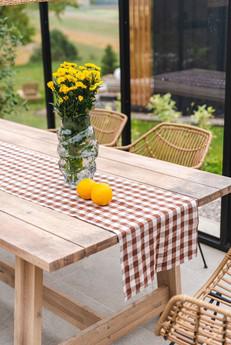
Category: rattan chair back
[176,143]
[108,126]
[205,318]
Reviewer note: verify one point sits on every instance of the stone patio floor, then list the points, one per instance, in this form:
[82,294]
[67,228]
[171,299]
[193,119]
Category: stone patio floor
[96,281]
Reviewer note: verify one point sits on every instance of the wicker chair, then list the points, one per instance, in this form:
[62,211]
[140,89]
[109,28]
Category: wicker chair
[108,126]
[205,318]
[176,143]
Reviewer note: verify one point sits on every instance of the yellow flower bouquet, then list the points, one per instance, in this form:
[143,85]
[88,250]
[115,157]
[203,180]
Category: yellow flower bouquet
[74,88]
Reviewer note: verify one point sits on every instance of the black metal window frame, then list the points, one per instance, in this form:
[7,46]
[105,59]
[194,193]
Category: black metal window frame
[222,243]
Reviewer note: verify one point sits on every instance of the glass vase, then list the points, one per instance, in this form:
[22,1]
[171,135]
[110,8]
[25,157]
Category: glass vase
[77,149]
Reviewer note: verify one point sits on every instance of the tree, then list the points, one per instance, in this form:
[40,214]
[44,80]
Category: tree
[109,60]
[59,6]
[19,21]
[9,40]
[19,18]
[61,48]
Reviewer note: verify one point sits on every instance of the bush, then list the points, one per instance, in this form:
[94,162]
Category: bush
[19,21]
[203,115]
[164,107]
[109,60]
[61,48]
[9,40]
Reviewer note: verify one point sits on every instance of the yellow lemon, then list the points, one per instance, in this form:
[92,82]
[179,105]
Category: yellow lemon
[101,194]
[84,188]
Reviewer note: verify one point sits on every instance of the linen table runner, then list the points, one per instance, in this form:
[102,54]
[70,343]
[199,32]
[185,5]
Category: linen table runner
[157,229]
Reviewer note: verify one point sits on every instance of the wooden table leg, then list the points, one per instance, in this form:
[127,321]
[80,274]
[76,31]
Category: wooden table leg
[172,279]
[28,303]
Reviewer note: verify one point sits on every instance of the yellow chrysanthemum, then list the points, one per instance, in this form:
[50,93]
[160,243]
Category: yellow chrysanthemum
[61,80]
[71,78]
[51,85]
[67,64]
[71,88]
[94,87]
[81,85]
[92,65]
[64,89]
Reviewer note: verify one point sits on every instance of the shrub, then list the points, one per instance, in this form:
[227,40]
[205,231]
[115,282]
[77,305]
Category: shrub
[109,60]
[19,21]
[9,40]
[164,107]
[61,48]
[203,115]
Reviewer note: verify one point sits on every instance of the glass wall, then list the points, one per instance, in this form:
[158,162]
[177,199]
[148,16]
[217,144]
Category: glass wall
[189,36]
[187,56]
[189,40]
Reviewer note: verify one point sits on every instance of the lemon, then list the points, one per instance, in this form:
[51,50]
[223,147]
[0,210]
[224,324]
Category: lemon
[101,194]
[84,188]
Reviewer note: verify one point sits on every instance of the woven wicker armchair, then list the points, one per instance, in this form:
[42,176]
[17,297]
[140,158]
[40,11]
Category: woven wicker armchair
[205,318]
[108,126]
[176,143]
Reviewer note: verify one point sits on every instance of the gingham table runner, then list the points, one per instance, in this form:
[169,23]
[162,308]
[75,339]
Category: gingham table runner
[157,229]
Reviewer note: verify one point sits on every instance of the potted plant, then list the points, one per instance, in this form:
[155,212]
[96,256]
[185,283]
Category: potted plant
[74,88]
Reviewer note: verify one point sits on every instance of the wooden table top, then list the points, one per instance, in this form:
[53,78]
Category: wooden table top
[52,240]
[198,83]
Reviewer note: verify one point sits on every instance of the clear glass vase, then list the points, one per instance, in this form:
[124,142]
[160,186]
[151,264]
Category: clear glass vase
[77,149]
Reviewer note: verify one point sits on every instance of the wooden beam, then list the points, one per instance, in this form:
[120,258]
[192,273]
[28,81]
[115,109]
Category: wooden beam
[7,274]
[73,312]
[78,315]
[95,330]
[171,279]
[218,3]
[28,304]
[107,331]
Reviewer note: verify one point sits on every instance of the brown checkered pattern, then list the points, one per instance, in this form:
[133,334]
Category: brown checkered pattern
[157,229]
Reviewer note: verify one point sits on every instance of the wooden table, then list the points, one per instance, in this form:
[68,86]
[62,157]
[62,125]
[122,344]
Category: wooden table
[193,83]
[45,240]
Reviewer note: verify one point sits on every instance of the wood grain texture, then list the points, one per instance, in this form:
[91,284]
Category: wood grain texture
[28,304]
[89,237]
[166,168]
[107,331]
[141,51]
[203,186]
[39,247]
[171,279]
[57,302]
[66,240]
